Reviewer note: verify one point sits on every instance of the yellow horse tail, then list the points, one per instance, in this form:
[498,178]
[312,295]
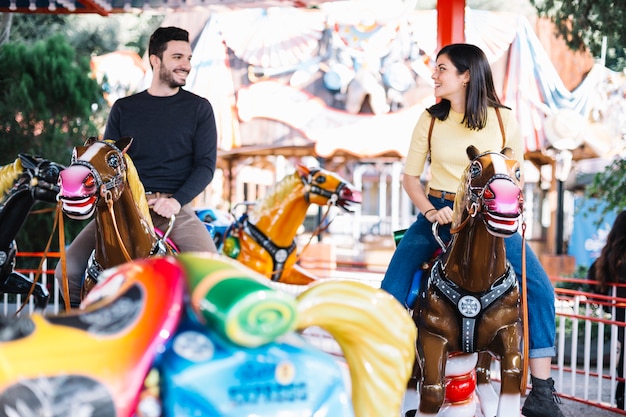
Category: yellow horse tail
[377,337]
[8,175]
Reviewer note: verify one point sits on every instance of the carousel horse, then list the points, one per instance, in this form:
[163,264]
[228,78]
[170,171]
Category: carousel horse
[102,179]
[471,301]
[155,334]
[22,183]
[264,240]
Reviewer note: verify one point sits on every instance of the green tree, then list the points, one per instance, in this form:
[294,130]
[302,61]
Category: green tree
[584,23]
[610,186]
[48,105]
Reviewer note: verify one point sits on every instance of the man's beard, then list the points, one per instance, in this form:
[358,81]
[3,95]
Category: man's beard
[168,78]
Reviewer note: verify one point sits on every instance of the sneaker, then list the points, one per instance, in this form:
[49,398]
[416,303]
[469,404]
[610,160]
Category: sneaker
[543,400]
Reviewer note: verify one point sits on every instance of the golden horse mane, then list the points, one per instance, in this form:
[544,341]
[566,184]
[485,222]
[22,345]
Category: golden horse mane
[279,193]
[375,333]
[137,189]
[461,195]
[8,174]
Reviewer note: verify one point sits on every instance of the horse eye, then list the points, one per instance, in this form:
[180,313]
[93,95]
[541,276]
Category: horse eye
[475,169]
[518,174]
[113,160]
[320,180]
[90,181]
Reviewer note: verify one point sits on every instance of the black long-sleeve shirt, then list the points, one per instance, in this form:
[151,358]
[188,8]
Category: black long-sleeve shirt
[174,141]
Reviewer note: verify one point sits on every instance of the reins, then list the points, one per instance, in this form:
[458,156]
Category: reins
[106,194]
[58,221]
[524,302]
[322,226]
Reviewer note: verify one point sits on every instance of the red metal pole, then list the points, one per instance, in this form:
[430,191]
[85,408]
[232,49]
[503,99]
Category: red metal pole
[450,22]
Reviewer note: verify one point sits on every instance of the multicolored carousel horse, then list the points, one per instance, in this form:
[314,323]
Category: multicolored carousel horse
[264,240]
[471,302]
[139,346]
[102,179]
[22,183]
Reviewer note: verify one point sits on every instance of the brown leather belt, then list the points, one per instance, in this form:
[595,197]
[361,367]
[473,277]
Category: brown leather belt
[442,194]
[156,194]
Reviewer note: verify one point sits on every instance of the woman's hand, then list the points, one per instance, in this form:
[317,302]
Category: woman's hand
[441,216]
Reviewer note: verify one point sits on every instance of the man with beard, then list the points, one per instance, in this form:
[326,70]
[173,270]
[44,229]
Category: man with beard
[174,149]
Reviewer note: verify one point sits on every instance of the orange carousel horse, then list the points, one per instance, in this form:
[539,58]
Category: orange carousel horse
[102,179]
[471,301]
[264,240]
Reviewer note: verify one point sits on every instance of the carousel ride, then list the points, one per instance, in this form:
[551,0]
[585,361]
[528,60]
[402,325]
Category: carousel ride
[155,331]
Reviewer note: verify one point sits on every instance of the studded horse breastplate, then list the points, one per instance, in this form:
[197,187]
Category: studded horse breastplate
[279,254]
[471,305]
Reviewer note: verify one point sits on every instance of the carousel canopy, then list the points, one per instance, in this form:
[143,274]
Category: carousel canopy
[106,7]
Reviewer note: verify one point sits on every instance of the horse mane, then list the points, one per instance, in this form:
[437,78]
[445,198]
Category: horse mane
[375,334]
[137,189]
[279,193]
[459,212]
[8,174]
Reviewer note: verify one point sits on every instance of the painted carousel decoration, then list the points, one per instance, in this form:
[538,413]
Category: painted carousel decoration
[139,346]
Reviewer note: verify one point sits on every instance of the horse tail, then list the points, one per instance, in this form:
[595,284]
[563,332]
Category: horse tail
[8,175]
[137,190]
[377,337]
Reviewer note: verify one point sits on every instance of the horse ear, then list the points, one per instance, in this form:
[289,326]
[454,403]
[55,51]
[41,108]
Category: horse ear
[508,152]
[123,143]
[28,161]
[90,140]
[302,170]
[472,152]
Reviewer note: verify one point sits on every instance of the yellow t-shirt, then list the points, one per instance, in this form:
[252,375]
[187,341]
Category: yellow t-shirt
[450,138]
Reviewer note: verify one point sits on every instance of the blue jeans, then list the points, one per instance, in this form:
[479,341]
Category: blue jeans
[418,245]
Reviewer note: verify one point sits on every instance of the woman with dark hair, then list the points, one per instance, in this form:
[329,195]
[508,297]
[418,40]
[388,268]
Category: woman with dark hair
[470,113]
[610,268]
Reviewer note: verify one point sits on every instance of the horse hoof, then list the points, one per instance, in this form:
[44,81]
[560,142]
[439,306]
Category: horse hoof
[410,413]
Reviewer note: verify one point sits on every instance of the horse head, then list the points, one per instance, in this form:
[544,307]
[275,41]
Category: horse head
[96,176]
[491,187]
[43,176]
[324,187]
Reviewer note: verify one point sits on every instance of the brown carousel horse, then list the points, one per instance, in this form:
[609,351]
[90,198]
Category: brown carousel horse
[264,240]
[102,179]
[471,302]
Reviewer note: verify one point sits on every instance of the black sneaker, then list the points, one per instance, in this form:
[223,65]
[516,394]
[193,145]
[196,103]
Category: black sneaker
[542,401]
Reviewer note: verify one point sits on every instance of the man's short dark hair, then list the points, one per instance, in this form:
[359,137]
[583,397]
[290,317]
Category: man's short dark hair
[161,36]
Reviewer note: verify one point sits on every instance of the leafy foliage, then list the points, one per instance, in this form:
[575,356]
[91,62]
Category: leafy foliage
[47,102]
[610,186]
[583,24]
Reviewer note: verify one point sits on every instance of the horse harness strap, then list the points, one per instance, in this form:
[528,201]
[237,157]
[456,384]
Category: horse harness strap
[114,182]
[471,305]
[279,254]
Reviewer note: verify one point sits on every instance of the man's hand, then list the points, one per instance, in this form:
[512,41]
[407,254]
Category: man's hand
[164,206]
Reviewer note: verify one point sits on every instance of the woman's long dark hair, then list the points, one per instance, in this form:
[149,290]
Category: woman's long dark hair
[481,93]
[610,267]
